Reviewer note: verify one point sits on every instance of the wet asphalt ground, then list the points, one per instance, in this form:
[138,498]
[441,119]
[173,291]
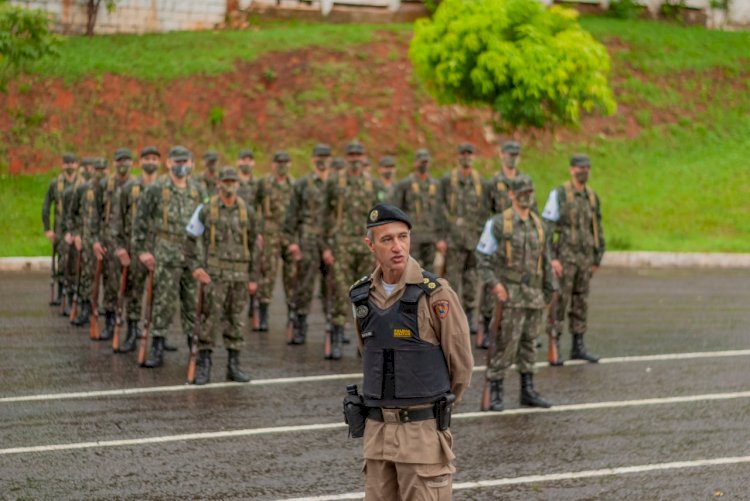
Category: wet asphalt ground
[643,424]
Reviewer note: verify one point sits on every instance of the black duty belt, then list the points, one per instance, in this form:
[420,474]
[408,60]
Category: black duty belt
[400,415]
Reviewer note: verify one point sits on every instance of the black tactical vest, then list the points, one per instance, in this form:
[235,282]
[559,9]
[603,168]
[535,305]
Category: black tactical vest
[400,369]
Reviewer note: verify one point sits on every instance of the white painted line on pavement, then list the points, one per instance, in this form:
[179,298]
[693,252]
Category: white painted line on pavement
[572,475]
[338,377]
[330,426]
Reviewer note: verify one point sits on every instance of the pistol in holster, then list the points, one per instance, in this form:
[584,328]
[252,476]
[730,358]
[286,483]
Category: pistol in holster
[443,408]
[355,412]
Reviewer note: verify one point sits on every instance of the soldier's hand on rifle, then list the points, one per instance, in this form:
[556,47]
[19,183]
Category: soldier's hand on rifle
[200,275]
[68,239]
[328,258]
[100,251]
[295,251]
[252,288]
[79,245]
[261,242]
[441,246]
[50,235]
[557,268]
[594,268]
[500,293]
[148,260]
[123,256]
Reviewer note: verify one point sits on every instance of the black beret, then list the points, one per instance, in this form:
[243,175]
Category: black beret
[150,150]
[123,153]
[466,148]
[68,158]
[384,213]
[580,160]
[511,147]
[322,150]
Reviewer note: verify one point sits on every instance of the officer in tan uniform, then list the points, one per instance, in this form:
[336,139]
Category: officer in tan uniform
[417,359]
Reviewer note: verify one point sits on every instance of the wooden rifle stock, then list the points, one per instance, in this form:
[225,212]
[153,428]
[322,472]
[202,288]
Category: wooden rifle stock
[553,357]
[196,334]
[53,277]
[77,292]
[146,318]
[497,318]
[120,308]
[94,319]
[293,304]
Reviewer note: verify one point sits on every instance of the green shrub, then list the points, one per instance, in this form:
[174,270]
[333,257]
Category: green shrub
[531,64]
[624,9]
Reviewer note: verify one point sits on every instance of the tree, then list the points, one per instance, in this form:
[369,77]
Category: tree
[533,65]
[24,39]
[92,11]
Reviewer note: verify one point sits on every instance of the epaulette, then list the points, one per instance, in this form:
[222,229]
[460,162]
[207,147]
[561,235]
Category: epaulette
[365,279]
[429,283]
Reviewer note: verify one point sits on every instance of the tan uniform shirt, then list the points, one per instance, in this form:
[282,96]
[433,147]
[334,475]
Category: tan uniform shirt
[441,321]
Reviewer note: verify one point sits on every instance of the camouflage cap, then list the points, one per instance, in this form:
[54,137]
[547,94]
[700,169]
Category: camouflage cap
[86,161]
[68,158]
[211,156]
[100,163]
[123,154]
[281,157]
[422,154]
[466,148]
[150,150]
[246,153]
[384,214]
[521,183]
[322,150]
[355,148]
[387,161]
[228,174]
[179,153]
[511,147]
[580,160]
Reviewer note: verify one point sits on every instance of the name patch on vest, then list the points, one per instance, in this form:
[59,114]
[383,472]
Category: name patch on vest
[401,333]
[367,334]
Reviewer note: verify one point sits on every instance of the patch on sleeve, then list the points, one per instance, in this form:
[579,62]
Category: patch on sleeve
[487,242]
[552,209]
[195,227]
[441,309]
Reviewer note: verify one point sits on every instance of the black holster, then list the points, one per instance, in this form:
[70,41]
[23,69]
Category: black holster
[355,414]
[443,408]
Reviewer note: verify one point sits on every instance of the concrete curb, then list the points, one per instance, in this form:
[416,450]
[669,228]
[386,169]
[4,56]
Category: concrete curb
[611,260]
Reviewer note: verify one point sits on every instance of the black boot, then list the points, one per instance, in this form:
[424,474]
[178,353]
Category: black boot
[68,304]
[109,326]
[472,325]
[496,396]
[169,346]
[263,324]
[300,330]
[157,354]
[203,367]
[578,352]
[83,314]
[529,397]
[486,325]
[234,373]
[336,339]
[133,333]
[58,300]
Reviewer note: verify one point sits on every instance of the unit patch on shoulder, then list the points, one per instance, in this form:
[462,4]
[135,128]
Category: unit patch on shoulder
[361,311]
[441,309]
[401,333]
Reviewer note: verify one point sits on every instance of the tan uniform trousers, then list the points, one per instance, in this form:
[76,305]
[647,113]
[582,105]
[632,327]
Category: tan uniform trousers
[392,481]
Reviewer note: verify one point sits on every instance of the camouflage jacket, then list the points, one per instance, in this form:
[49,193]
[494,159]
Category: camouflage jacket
[86,205]
[573,223]
[227,237]
[110,194]
[247,191]
[125,211]
[420,200]
[514,252]
[347,203]
[272,202]
[57,201]
[208,184]
[464,203]
[497,194]
[386,193]
[306,211]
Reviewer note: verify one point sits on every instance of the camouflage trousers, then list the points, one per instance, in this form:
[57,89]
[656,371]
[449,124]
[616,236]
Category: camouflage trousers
[424,253]
[134,291]
[574,294]
[66,263]
[111,270]
[516,342]
[275,250]
[353,261]
[223,305]
[172,281]
[487,303]
[461,273]
[310,268]
[88,268]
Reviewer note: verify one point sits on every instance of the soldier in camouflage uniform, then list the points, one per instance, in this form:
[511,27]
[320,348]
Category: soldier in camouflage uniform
[208,179]
[417,196]
[245,164]
[159,235]
[104,242]
[514,264]
[305,234]
[226,228]
[55,198]
[337,164]
[464,200]
[85,210]
[573,222]
[123,221]
[387,174]
[272,197]
[349,195]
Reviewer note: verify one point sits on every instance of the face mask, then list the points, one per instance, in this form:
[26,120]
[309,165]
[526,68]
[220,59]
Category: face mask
[211,168]
[525,200]
[422,167]
[149,168]
[465,162]
[123,168]
[354,165]
[99,173]
[387,175]
[229,189]
[282,169]
[180,171]
[86,174]
[320,164]
[582,176]
[512,161]
[69,171]
[246,169]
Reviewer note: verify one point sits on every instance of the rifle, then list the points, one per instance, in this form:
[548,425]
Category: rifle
[77,292]
[553,357]
[94,321]
[252,311]
[66,279]
[497,318]
[196,334]
[120,308]
[293,304]
[146,317]
[53,278]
